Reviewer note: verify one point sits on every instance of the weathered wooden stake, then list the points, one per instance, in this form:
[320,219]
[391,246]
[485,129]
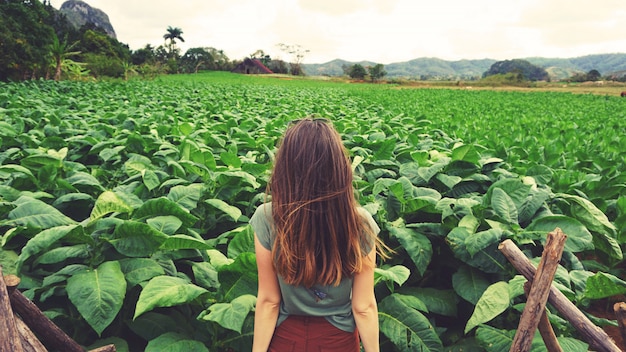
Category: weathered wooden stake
[30,342]
[596,337]
[107,348]
[50,334]
[545,329]
[539,290]
[9,335]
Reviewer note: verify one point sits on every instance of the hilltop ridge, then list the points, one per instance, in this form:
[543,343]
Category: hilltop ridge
[435,68]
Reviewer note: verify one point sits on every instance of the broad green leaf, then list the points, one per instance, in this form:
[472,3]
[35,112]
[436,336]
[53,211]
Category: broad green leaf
[233,212]
[166,224]
[39,160]
[176,242]
[243,241]
[587,213]
[186,196]
[162,207]
[166,291]
[205,275]
[608,245]
[467,153]
[602,285]
[442,302]
[98,294]
[175,342]
[60,254]
[405,327]
[108,202]
[504,206]
[515,188]
[136,239]
[469,283]
[8,261]
[541,173]
[231,315]
[477,242]
[390,274]
[150,179]
[226,176]
[44,240]
[84,179]
[416,245]
[138,270]
[218,259]
[492,303]
[36,214]
[230,159]
[494,340]
[238,278]
[578,237]
[489,260]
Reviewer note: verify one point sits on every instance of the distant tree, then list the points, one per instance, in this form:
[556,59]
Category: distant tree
[24,39]
[356,71]
[60,51]
[172,34]
[526,69]
[593,75]
[261,56]
[143,55]
[377,72]
[590,76]
[196,59]
[278,66]
[297,52]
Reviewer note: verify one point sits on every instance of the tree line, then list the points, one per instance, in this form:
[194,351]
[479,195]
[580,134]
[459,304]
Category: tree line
[37,41]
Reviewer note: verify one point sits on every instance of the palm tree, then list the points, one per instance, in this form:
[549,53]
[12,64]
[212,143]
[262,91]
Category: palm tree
[172,34]
[60,51]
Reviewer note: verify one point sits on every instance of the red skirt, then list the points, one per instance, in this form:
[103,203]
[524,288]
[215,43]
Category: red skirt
[305,333]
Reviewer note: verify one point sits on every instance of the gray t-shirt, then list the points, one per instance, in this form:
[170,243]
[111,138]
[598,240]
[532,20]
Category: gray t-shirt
[332,302]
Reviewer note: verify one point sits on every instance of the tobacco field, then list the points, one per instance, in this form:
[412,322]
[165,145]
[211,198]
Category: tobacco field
[124,206]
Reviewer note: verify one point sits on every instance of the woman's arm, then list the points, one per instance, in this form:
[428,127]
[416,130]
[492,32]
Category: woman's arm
[268,299]
[364,306]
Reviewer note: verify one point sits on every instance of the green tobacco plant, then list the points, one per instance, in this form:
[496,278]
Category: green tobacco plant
[124,206]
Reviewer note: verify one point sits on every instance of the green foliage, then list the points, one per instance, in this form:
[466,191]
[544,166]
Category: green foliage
[356,71]
[524,68]
[124,206]
[376,72]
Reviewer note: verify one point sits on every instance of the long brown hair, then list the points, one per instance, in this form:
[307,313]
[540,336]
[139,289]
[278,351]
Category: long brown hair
[320,235]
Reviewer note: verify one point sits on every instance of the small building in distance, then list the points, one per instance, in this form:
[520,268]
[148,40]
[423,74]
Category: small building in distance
[251,66]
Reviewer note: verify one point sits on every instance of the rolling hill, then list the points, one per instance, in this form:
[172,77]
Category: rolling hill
[434,68]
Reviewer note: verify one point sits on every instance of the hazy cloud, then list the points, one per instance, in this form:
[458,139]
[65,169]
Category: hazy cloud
[383,31]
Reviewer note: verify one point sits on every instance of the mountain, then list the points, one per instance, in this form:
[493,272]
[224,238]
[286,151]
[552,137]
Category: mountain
[434,68]
[79,13]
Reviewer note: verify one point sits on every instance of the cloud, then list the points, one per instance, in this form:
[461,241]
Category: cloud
[343,7]
[563,25]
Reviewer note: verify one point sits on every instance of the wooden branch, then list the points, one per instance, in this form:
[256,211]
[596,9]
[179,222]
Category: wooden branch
[107,348]
[545,329]
[539,290]
[9,335]
[30,342]
[596,337]
[620,314]
[50,334]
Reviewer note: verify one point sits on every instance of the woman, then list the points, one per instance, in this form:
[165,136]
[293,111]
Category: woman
[315,250]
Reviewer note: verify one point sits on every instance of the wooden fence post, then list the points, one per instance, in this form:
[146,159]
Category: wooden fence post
[9,334]
[539,290]
[51,334]
[596,337]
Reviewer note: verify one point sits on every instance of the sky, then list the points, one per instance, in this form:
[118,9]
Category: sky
[382,31]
